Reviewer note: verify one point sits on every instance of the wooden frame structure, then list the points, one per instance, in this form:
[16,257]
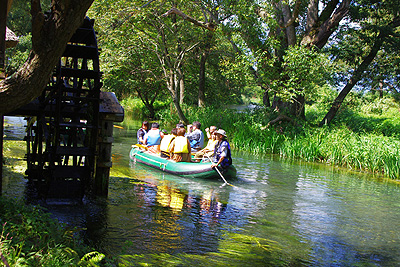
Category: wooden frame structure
[69,127]
[4,6]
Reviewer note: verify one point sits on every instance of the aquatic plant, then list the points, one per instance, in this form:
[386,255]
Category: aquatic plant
[364,150]
[234,250]
[30,237]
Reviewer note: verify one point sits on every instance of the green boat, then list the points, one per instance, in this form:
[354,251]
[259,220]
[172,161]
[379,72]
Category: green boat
[185,169]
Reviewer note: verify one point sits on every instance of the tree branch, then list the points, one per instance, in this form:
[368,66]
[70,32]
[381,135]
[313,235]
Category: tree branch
[282,117]
[356,75]
[295,14]
[330,25]
[50,35]
[209,26]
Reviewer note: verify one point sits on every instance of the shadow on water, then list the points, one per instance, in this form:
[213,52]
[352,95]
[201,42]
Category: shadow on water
[277,214]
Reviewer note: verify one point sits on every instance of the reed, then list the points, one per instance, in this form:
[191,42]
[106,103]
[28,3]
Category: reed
[367,150]
[342,147]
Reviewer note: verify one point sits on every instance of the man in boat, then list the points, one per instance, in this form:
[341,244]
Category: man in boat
[222,152]
[153,138]
[180,125]
[208,151]
[195,136]
[166,142]
[141,132]
[180,147]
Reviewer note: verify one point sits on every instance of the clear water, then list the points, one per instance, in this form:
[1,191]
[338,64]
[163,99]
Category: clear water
[309,215]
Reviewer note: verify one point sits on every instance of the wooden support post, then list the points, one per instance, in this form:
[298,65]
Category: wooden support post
[104,162]
[3,21]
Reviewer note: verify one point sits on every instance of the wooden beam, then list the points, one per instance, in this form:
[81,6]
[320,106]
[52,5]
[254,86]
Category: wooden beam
[9,5]
[3,21]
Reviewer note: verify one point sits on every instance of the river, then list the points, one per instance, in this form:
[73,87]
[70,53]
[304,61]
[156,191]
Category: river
[276,213]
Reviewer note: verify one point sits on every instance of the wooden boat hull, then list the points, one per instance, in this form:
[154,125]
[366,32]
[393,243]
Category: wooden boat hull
[185,169]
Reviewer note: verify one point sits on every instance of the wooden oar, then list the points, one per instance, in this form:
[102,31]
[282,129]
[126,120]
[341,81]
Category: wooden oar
[220,174]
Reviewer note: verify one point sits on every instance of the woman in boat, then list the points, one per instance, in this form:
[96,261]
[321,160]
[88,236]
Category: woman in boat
[166,142]
[180,147]
[141,132]
[153,138]
[222,151]
[210,130]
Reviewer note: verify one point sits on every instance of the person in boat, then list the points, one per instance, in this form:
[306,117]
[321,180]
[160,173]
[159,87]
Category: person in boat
[208,151]
[153,138]
[166,142]
[210,130]
[180,125]
[222,152]
[141,132]
[195,136]
[180,147]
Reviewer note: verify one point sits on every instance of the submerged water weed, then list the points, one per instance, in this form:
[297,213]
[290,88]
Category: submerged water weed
[235,249]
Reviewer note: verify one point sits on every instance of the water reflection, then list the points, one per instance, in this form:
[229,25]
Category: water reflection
[163,219]
[318,217]
[346,220]
[315,215]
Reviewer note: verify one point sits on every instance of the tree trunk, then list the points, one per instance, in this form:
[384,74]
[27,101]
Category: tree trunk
[380,89]
[181,88]
[180,112]
[293,109]
[352,82]
[290,30]
[319,31]
[206,47]
[266,100]
[202,79]
[172,88]
[50,34]
[149,104]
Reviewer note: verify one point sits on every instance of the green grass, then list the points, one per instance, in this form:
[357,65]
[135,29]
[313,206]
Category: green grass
[364,135]
[363,142]
[30,237]
[28,234]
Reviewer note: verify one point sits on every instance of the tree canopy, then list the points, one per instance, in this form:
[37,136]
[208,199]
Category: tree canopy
[50,34]
[214,52]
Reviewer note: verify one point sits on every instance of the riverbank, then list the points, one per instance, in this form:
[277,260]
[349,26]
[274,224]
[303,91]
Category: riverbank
[358,141]
[363,137]
[29,235]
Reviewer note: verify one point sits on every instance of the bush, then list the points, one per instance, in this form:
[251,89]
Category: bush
[30,237]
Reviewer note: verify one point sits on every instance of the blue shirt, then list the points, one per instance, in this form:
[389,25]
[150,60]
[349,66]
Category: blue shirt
[196,139]
[153,137]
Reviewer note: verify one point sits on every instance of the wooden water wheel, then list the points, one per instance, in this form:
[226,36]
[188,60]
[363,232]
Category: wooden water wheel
[62,138]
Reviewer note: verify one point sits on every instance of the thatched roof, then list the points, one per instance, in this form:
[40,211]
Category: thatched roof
[11,38]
